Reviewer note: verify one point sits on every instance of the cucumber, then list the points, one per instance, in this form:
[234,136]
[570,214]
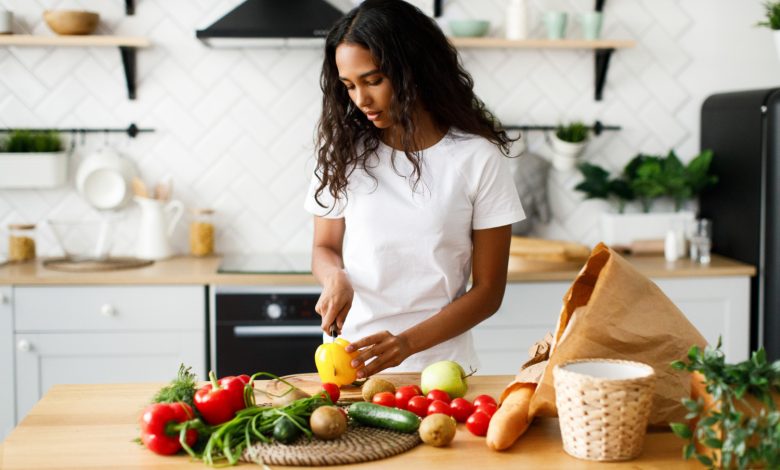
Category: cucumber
[378,416]
[285,431]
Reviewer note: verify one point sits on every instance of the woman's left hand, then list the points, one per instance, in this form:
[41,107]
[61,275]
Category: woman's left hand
[377,352]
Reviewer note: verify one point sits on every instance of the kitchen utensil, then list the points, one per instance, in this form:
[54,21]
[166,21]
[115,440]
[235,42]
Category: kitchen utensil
[6,21]
[469,28]
[158,220]
[103,179]
[84,239]
[71,22]
[139,188]
[603,407]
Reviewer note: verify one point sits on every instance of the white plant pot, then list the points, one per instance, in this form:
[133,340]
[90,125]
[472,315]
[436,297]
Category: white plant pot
[567,149]
[622,229]
[776,34]
[33,170]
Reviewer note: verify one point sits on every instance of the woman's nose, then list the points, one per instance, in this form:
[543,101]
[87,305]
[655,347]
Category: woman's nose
[362,97]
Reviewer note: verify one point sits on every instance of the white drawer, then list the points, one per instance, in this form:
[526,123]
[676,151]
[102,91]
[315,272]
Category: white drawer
[109,308]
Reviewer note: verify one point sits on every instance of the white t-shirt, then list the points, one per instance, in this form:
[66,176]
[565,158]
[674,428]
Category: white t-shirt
[407,252]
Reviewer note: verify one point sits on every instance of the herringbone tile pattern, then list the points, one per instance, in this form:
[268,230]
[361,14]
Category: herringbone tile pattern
[235,127]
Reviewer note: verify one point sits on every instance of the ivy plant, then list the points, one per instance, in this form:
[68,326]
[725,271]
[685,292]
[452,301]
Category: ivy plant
[743,440]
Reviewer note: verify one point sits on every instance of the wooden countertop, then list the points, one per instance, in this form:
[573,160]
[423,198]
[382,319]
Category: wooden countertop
[190,270]
[93,426]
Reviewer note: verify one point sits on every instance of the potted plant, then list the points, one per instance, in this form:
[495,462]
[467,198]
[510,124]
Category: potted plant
[567,144]
[733,417]
[647,179]
[31,159]
[772,21]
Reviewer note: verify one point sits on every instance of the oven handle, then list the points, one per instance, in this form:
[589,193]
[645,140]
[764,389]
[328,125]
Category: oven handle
[281,330]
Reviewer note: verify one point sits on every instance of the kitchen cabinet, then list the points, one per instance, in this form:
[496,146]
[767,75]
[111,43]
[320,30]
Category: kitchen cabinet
[104,334]
[717,306]
[7,411]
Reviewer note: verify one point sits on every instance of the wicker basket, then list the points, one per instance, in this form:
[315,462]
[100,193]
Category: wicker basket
[603,406]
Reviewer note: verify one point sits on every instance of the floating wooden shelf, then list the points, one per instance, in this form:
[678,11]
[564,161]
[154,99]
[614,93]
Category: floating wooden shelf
[603,49]
[127,48]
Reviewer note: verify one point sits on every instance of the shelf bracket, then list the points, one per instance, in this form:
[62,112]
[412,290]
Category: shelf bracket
[130,7]
[602,65]
[128,62]
[600,5]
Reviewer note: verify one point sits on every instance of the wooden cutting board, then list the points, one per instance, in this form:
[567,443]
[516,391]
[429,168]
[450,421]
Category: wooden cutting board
[310,383]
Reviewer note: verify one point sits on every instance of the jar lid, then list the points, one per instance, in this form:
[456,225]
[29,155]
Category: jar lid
[21,226]
[203,211]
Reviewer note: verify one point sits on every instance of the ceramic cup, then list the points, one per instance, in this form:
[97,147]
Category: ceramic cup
[6,22]
[555,23]
[591,24]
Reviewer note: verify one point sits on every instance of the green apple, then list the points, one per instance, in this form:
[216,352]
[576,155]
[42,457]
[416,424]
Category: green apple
[448,376]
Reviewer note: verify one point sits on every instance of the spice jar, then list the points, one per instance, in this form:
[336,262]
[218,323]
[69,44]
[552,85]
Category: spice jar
[202,232]
[21,242]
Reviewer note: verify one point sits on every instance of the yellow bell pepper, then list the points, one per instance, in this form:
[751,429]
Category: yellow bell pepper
[333,363]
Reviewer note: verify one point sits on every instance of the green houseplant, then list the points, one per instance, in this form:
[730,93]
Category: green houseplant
[772,21]
[30,159]
[736,422]
[567,143]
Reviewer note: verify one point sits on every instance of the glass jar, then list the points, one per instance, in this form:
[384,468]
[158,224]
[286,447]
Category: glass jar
[21,242]
[202,232]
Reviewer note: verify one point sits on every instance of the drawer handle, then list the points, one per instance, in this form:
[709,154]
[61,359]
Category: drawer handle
[4,299]
[24,346]
[108,310]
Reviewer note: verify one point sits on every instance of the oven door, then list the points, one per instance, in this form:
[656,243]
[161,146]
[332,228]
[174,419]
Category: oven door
[278,349]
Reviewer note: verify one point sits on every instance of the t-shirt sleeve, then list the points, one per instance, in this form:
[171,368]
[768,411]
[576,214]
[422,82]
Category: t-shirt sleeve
[334,209]
[496,201]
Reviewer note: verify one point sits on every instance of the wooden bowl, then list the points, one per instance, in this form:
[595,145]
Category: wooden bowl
[71,22]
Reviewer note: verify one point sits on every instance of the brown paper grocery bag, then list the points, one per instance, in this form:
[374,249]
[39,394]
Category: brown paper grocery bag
[612,311]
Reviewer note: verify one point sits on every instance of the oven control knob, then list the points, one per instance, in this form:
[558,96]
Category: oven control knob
[274,311]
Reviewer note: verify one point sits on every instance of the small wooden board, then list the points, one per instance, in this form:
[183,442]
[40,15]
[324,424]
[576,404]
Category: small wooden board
[310,383]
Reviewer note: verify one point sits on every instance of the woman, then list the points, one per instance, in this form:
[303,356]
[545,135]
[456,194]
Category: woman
[410,195]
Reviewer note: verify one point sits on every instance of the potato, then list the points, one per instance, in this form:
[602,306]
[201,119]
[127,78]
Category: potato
[328,422]
[288,397]
[375,385]
[437,430]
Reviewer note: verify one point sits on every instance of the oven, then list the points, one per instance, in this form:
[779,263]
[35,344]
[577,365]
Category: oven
[264,329]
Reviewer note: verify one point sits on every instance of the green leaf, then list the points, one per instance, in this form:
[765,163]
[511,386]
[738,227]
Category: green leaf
[688,451]
[678,365]
[681,430]
[704,460]
[596,182]
[713,443]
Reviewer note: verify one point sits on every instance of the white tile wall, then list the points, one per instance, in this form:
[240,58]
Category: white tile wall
[235,128]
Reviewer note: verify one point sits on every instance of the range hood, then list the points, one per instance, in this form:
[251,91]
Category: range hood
[275,23]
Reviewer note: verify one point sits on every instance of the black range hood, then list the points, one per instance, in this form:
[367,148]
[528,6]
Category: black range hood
[272,23]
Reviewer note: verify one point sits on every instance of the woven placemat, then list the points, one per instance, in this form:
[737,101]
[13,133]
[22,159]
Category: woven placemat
[358,444]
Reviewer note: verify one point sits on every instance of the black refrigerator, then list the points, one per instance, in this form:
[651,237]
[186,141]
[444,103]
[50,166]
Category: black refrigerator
[743,130]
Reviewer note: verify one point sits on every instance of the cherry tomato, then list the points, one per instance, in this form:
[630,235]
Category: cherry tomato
[477,423]
[488,408]
[384,399]
[332,390]
[416,388]
[419,405]
[403,394]
[461,409]
[483,399]
[436,394]
[439,406]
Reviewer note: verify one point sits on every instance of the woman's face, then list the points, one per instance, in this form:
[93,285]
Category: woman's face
[368,88]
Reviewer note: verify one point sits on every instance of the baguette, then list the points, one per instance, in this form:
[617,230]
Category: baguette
[511,419]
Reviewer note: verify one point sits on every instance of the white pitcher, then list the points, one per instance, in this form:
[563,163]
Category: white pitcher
[158,219]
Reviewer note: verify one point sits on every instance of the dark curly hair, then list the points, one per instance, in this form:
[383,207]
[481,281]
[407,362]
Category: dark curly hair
[423,68]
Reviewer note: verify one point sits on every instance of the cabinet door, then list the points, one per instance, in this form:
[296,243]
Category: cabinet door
[7,417]
[43,360]
[529,311]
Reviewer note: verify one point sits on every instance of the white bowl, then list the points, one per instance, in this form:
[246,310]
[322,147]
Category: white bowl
[103,180]
[605,370]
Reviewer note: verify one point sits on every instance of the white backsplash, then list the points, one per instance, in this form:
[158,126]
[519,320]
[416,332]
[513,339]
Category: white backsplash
[235,127]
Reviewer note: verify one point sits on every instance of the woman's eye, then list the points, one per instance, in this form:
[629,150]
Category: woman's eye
[349,87]
[375,82]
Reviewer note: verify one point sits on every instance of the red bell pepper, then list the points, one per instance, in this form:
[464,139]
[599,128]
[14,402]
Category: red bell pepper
[159,432]
[219,400]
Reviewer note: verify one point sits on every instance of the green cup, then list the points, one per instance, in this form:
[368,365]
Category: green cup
[591,24]
[555,22]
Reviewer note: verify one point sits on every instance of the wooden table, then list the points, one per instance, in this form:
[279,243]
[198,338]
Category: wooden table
[93,427]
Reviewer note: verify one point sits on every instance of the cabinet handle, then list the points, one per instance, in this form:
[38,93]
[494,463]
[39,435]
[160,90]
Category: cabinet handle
[108,310]
[4,299]
[24,346]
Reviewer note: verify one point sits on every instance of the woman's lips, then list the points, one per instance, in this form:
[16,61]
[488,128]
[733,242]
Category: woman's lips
[373,115]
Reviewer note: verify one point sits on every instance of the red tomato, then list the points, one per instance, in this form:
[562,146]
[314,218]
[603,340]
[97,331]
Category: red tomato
[436,394]
[419,405]
[416,388]
[461,409]
[439,406]
[483,399]
[403,394]
[488,408]
[384,399]
[477,423]
[332,390]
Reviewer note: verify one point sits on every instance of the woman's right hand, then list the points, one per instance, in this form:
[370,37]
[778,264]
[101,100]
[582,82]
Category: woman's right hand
[335,301]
